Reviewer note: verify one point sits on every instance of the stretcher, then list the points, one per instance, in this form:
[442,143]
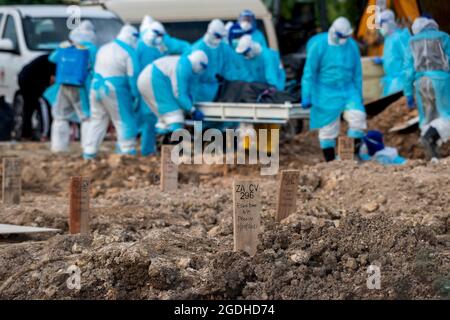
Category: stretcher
[257,113]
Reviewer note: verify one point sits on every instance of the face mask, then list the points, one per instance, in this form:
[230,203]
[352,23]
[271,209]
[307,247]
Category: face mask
[384,31]
[340,39]
[245,25]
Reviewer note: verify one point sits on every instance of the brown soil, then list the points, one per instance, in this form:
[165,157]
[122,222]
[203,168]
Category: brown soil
[149,245]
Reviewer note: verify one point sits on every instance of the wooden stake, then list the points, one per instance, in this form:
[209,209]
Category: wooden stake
[169,170]
[346,149]
[287,193]
[246,215]
[12,181]
[79,216]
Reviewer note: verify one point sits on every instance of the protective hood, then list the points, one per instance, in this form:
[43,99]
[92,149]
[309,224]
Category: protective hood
[247,20]
[199,61]
[80,35]
[129,35]
[340,31]
[146,22]
[215,34]
[421,24]
[387,22]
[154,34]
[248,47]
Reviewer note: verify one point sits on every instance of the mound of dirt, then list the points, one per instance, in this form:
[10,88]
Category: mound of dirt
[408,144]
[149,245]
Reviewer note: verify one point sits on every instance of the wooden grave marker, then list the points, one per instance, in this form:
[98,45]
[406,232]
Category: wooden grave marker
[79,215]
[246,215]
[287,193]
[12,181]
[169,170]
[346,149]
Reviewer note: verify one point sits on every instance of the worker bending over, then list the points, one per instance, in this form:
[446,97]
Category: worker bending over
[427,73]
[114,94]
[332,86]
[262,65]
[154,43]
[167,87]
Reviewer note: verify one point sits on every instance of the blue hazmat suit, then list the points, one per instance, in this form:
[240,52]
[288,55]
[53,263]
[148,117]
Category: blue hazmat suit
[51,93]
[395,46]
[147,55]
[70,103]
[427,76]
[220,63]
[265,68]
[332,83]
[114,94]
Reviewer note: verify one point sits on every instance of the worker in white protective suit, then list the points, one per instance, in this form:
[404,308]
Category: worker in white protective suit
[71,97]
[114,94]
[167,87]
[145,24]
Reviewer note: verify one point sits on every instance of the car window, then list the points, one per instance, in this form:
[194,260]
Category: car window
[10,31]
[47,33]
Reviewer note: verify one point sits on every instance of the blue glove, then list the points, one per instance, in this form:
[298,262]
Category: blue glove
[411,102]
[378,61]
[197,115]
[306,104]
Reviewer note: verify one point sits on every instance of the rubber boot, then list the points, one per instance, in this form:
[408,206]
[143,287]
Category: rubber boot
[358,143]
[430,143]
[329,154]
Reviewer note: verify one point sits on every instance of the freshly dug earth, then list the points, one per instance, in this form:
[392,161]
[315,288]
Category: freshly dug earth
[150,245]
[407,143]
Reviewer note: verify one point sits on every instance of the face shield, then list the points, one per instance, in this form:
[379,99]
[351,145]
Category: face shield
[247,20]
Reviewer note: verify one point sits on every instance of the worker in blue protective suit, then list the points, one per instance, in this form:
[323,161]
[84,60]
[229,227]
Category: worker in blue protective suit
[374,149]
[332,86]
[154,43]
[395,46]
[427,82]
[262,65]
[114,93]
[220,57]
[72,102]
[166,86]
[246,25]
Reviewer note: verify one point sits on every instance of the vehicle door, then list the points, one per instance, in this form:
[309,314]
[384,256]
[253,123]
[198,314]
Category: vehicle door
[10,60]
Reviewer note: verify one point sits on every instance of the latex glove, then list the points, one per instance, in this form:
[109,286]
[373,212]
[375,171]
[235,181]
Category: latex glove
[378,61]
[197,115]
[411,102]
[306,104]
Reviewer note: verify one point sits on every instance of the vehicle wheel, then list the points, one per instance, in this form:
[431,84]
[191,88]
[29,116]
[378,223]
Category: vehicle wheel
[41,121]
[18,108]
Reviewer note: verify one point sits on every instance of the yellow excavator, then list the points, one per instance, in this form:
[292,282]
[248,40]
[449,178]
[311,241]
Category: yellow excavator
[406,11]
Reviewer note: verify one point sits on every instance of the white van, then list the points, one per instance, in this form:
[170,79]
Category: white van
[188,19]
[29,31]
